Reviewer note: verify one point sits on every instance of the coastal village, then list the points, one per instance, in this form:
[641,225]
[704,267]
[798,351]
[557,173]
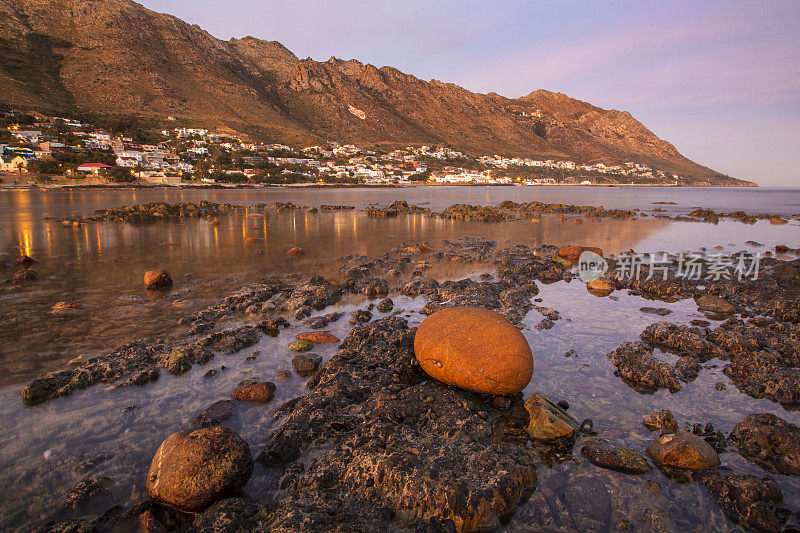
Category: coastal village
[42,150]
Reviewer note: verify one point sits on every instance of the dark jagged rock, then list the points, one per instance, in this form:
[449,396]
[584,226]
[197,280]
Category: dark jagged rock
[216,414]
[641,371]
[136,359]
[682,341]
[360,316]
[231,340]
[770,442]
[762,375]
[232,515]
[306,364]
[374,429]
[386,305]
[182,359]
[272,326]
[661,420]
[746,500]
[87,490]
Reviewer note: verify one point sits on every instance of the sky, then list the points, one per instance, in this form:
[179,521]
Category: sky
[718,79]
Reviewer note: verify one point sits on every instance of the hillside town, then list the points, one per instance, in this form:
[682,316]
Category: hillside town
[38,149]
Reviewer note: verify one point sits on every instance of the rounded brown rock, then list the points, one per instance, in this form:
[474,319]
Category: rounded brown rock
[155,279]
[192,470]
[683,450]
[474,349]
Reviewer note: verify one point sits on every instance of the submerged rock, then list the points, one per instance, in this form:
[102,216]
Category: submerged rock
[615,458]
[683,450]
[746,500]
[770,442]
[474,349]
[215,414]
[192,470]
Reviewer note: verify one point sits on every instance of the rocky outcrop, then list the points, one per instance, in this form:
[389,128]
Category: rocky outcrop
[376,434]
[641,371]
[769,441]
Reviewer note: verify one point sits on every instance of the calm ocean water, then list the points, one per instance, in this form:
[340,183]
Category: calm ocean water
[49,448]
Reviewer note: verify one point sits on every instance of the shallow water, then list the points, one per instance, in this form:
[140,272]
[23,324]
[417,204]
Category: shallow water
[46,450]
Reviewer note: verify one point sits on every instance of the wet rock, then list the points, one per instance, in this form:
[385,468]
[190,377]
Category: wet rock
[548,421]
[688,368]
[192,470]
[272,326]
[589,504]
[493,358]
[361,316]
[26,275]
[301,345]
[571,253]
[660,311]
[318,337]
[746,500]
[318,322]
[253,356]
[87,490]
[232,340]
[661,421]
[307,364]
[261,392]
[215,414]
[657,520]
[157,279]
[545,324]
[372,411]
[770,442]
[67,526]
[641,371]
[683,450]
[763,375]
[232,515]
[283,375]
[600,287]
[295,251]
[617,459]
[715,304]
[65,308]
[386,305]
[682,340]
[182,359]
[133,363]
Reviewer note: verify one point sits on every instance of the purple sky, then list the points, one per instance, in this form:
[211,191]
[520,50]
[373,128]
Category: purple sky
[719,79]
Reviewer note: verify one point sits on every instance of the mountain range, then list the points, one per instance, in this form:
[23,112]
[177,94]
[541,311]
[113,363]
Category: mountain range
[115,57]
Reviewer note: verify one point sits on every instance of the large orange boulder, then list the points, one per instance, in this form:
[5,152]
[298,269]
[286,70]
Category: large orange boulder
[192,470]
[474,349]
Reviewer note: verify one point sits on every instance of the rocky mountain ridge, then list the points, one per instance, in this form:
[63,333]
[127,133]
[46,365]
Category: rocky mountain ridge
[115,57]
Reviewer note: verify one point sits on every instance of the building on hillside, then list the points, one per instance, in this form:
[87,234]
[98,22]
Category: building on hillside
[13,163]
[92,168]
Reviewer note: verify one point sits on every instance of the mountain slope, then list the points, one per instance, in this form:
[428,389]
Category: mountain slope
[117,57]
